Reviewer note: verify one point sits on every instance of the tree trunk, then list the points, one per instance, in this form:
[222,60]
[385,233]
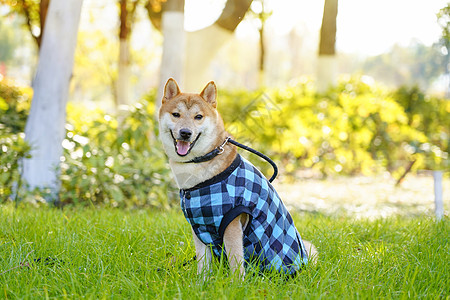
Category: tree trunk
[327,64]
[203,45]
[172,63]
[44,130]
[262,16]
[43,9]
[262,55]
[123,75]
[327,71]
[29,14]
[201,48]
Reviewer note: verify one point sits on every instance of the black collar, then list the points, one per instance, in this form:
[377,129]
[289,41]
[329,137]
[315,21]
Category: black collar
[210,155]
[219,150]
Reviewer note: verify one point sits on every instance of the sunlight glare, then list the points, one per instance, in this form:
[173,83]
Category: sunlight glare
[201,13]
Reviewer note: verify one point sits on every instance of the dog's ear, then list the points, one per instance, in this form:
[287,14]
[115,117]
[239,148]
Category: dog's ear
[209,93]
[171,89]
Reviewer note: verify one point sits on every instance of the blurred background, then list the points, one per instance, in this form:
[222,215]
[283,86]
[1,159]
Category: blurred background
[326,88]
[394,43]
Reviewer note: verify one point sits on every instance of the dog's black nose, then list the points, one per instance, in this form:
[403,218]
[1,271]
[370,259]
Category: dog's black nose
[185,133]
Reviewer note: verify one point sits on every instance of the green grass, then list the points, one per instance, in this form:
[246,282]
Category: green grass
[140,254]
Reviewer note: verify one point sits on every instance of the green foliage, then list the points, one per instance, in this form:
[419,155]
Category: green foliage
[13,149]
[118,163]
[431,117]
[31,12]
[141,254]
[95,48]
[14,103]
[415,64]
[354,128]
[14,106]
[7,42]
[114,161]
[444,22]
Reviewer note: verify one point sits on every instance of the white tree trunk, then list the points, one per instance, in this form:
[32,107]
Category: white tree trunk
[45,125]
[172,63]
[438,199]
[327,71]
[201,48]
[123,90]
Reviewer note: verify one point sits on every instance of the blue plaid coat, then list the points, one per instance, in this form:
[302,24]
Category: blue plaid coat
[270,236]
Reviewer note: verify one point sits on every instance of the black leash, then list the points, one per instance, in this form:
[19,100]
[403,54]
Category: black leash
[271,162]
[219,150]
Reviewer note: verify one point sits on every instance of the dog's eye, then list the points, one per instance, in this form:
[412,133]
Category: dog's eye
[198,117]
[176,115]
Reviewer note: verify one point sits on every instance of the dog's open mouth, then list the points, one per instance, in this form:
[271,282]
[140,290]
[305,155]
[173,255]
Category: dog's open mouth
[182,148]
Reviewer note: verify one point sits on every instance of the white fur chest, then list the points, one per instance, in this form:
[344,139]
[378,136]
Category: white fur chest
[188,175]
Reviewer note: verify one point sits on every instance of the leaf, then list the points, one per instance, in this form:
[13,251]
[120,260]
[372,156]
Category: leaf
[3,105]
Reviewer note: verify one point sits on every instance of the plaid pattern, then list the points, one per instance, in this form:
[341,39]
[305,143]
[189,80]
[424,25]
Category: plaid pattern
[270,236]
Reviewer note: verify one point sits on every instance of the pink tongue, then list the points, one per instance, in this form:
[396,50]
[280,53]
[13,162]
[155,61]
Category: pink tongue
[182,147]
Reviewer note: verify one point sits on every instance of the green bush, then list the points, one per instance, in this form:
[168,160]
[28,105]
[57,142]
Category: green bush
[118,163]
[14,104]
[108,160]
[354,128]
[430,116]
[13,149]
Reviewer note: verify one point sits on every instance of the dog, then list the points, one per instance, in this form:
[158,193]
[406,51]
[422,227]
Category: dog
[226,200]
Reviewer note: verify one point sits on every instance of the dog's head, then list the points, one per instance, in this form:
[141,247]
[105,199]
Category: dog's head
[189,124]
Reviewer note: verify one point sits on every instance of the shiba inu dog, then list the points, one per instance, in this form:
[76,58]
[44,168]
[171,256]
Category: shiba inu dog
[230,205]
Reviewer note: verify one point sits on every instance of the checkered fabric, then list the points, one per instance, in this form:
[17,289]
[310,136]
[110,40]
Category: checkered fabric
[270,236]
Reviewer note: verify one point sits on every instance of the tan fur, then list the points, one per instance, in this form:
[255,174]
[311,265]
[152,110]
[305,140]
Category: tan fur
[203,254]
[187,175]
[234,247]
[313,255]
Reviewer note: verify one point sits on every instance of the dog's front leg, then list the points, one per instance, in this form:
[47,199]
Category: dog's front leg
[234,245]
[203,253]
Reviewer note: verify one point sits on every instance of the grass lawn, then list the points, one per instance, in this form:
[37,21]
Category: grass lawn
[105,253]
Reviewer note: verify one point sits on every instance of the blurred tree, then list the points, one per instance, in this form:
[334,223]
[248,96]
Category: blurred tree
[34,12]
[127,12]
[154,11]
[416,64]
[444,22]
[259,10]
[172,27]
[95,48]
[202,45]
[7,45]
[44,130]
[327,63]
